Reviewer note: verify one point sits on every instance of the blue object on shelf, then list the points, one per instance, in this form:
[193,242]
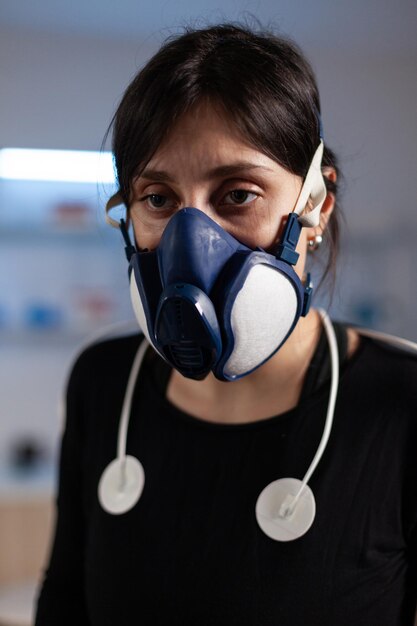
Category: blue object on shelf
[43,317]
[367,312]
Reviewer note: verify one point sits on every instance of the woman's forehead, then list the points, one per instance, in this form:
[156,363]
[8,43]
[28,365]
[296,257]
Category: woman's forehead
[205,137]
[203,119]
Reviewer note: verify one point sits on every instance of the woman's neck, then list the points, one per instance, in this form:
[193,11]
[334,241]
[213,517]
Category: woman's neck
[273,388]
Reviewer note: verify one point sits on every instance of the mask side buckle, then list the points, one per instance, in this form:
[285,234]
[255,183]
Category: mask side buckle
[286,249]
[286,252]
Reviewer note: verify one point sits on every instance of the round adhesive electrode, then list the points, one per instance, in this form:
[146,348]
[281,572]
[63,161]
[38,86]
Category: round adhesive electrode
[121,485]
[269,512]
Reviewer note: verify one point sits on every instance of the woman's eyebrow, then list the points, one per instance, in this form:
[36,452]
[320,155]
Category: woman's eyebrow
[230,169]
[239,167]
[156,175]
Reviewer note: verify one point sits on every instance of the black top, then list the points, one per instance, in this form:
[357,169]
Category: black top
[190,552]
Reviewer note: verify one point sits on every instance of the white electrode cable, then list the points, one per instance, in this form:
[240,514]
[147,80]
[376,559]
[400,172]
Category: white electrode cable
[288,507]
[285,509]
[127,402]
[122,482]
[334,358]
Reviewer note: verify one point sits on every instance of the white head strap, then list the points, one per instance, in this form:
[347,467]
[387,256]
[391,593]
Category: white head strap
[314,188]
[114,201]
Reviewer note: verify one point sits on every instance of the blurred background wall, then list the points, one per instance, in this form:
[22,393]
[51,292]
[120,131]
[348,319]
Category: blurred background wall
[63,69]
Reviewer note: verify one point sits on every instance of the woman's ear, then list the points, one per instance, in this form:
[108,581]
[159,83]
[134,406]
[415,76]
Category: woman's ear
[330,174]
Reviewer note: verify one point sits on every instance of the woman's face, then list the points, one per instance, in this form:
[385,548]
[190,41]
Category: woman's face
[206,163]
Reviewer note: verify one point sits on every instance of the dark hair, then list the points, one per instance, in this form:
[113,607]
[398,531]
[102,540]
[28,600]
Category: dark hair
[262,81]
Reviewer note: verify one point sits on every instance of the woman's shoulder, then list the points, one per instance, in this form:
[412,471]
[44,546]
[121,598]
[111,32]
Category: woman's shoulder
[390,348]
[386,364]
[105,360]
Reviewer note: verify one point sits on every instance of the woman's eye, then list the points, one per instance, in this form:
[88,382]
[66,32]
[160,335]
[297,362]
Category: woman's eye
[157,201]
[239,196]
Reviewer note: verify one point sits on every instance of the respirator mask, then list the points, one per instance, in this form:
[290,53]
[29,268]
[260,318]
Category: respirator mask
[206,302]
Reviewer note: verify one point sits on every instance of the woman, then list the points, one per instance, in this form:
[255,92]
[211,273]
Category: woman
[219,155]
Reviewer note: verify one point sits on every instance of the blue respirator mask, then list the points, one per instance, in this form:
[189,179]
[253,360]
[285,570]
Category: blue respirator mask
[206,302]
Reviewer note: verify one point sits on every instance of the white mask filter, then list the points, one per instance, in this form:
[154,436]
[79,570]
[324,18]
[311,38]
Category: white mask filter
[262,315]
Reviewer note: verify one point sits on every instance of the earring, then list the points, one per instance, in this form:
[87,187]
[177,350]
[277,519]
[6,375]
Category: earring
[314,243]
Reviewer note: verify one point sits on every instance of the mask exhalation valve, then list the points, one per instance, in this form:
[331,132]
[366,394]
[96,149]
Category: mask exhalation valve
[187,330]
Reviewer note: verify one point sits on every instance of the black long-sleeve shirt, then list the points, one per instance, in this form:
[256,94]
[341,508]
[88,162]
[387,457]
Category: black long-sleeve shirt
[190,552]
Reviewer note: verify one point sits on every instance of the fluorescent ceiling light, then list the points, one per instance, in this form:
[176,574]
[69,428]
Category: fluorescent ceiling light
[57,165]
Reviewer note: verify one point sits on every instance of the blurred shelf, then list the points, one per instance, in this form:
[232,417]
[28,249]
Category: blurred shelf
[66,337]
[94,234]
[37,340]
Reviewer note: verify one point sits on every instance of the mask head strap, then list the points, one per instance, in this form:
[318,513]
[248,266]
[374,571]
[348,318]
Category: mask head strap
[122,225]
[114,201]
[314,188]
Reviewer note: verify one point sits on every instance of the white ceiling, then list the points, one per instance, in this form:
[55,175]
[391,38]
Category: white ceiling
[366,26]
